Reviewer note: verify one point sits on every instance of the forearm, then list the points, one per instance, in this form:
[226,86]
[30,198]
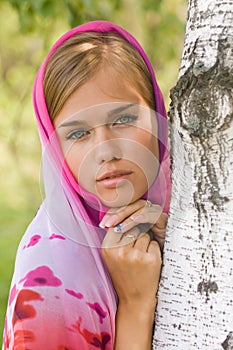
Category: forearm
[134,325]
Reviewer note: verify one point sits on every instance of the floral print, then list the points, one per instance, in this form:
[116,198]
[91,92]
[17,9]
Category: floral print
[47,312]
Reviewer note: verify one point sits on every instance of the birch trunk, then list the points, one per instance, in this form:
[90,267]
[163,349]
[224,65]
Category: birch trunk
[195,309]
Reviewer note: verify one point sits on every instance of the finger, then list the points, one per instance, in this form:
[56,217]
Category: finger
[142,242]
[145,215]
[161,243]
[129,223]
[111,240]
[154,249]
[148,214]
[162,221]
[116,215]
[158,233]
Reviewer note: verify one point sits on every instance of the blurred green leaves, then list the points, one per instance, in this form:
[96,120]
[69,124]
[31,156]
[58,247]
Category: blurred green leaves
[33,13]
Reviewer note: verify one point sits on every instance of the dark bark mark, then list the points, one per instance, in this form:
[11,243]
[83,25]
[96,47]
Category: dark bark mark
[228,342]
[200,90]
[198,86]
[177,326]
[227,121]
[207,287]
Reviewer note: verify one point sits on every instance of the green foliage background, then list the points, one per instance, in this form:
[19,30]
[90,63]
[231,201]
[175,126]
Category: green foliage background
[28,28]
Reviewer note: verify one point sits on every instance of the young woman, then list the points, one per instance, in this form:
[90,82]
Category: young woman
[88,267]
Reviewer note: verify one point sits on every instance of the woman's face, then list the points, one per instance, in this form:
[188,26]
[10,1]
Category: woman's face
[108,136]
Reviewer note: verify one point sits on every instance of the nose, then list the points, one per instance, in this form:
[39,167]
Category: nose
[107,147]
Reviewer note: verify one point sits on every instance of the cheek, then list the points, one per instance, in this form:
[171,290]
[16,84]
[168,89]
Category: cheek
[142,153]
[149,141]
[83,168]
[147,145]
[75,158]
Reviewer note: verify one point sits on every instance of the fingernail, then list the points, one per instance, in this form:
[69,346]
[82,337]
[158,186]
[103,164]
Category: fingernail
[101,225]
[111,221]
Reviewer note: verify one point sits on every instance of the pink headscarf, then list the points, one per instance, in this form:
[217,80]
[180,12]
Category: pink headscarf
[46,127]
[61,294]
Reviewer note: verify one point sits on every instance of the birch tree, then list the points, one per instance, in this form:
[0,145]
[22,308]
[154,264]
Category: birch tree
[195,308]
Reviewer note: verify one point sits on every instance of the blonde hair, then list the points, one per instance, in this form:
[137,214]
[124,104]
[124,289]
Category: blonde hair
[80,57]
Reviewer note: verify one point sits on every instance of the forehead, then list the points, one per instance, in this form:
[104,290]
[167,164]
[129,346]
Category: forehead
[103,88]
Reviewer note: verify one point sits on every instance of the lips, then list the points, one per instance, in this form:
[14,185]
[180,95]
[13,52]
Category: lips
[113,175]
[114,179]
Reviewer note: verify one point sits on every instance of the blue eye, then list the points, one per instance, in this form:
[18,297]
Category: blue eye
[126,119]
[77,134]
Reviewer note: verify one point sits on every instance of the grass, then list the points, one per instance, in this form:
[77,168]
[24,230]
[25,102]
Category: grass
[13,222]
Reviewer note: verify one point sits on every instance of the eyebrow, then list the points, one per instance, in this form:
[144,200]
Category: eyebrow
[120,109]
[111,114]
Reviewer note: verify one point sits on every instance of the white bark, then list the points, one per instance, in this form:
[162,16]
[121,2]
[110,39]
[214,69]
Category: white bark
[195,309]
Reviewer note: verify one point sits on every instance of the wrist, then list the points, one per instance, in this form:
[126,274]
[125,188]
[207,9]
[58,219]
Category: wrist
[143,311]
[134,325]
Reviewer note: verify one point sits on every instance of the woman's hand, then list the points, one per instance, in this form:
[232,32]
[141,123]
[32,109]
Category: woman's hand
[134,264]
[140,212]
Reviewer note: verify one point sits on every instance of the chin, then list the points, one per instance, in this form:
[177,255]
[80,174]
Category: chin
[120,201]
[121,196]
